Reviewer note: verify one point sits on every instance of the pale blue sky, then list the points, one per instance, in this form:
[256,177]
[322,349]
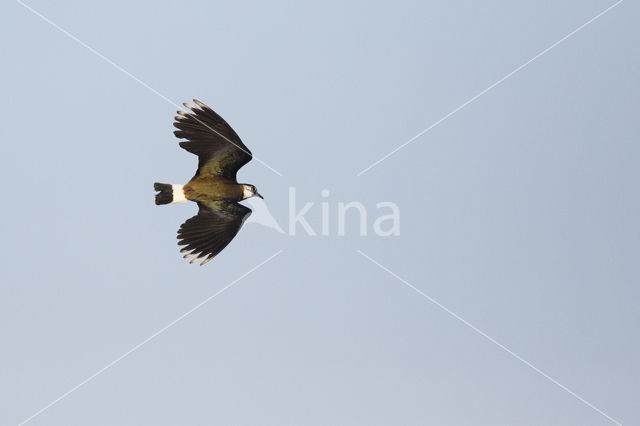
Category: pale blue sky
[519,213]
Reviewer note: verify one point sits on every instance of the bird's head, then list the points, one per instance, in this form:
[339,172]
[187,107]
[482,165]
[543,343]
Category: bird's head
[249,191]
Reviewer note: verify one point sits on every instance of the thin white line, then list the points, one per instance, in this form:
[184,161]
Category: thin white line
[491,339]
[489,88]
[119,68]
[136,347]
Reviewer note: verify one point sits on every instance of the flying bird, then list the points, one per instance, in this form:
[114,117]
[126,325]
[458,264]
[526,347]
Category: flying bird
[214,187]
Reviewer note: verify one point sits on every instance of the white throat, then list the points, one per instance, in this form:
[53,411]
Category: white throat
[246,192]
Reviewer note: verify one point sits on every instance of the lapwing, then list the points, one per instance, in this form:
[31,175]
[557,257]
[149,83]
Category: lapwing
[214,187]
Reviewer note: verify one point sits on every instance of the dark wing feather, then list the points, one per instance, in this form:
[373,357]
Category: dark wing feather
[218,147]
[212,229]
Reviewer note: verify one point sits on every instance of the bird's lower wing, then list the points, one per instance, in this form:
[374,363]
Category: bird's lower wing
[212,229]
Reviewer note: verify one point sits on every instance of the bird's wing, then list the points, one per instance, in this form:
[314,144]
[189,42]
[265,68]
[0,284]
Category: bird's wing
[212,229]
[218,147]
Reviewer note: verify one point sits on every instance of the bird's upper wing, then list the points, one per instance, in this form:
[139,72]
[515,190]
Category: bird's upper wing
[212,229]
[218,147]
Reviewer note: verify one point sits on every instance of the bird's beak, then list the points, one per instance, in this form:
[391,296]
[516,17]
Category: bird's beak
[258,195]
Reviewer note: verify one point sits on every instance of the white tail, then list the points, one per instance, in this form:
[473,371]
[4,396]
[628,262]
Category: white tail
[169,194]
[178,194]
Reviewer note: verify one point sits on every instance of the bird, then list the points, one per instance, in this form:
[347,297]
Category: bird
[214,187]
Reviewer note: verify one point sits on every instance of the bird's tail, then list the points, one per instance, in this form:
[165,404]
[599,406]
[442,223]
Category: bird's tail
[169,194]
